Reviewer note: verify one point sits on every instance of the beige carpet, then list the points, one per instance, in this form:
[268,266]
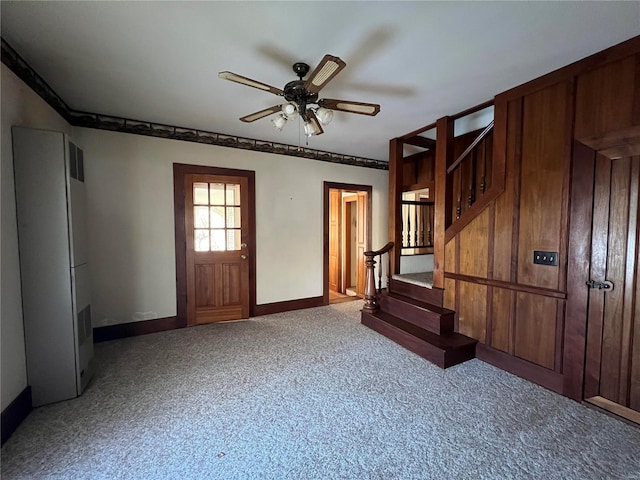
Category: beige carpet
[310,395]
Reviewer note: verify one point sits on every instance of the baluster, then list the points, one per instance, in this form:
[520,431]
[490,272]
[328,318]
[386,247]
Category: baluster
[429,224]
[459,200]
[408,226]
[422,224]
[415,228]
[471,198]
[380,273]
[370,299]
[404,225]
[483,183]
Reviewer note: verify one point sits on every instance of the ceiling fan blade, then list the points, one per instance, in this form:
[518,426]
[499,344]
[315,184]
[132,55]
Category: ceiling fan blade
[328,68]
[315,123]
[234,77]
[361,108]
[261,114]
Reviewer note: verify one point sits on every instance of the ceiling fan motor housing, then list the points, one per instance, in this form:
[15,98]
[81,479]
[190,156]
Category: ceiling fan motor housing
[297,93]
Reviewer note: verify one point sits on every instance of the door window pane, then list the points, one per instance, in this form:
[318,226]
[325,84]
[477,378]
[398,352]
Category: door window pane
[233,217]
[233,194]
[217,193]
[201,217]
[201,240]
[217,217]
[217,240]
[233,239]
[201,194]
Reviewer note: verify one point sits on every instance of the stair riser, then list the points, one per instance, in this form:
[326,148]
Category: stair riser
[440,357]
[408,341]
[435,296]
[432,321]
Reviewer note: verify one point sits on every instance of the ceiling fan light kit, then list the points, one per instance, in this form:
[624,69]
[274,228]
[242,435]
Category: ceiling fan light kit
[300,94]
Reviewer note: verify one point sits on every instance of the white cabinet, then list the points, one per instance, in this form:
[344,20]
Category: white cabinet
[54,270]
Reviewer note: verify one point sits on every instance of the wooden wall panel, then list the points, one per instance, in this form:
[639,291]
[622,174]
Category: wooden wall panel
[449,300]
[535,329]
[472,310]
[450,255]
[501,325]
[474,247]
[605,98]
[544,163]
[506,205]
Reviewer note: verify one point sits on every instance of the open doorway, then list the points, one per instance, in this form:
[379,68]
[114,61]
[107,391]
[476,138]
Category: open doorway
[347,235]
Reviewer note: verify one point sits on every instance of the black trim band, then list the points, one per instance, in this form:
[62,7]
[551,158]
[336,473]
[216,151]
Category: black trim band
[15,413]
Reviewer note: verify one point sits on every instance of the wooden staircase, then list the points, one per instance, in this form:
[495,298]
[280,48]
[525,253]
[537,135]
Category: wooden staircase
[413,317]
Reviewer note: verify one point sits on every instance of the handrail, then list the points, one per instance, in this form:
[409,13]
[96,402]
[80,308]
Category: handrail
[370,291]
[382,251]
[464,154]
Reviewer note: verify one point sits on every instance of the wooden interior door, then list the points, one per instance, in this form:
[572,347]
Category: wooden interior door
[335,226]
[612,370]
[217,227]
[361,242]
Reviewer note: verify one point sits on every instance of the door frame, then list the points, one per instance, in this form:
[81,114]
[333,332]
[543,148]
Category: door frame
[627,143]
[352,187]
[180,170]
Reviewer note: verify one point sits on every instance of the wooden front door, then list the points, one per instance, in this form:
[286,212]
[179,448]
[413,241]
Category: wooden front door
[216,228]
[612,369]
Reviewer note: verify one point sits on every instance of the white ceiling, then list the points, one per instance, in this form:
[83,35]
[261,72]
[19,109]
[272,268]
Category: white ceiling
[158,61]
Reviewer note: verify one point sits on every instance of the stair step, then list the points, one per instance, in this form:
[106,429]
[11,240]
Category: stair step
[433,295]
[438,320]
[442,350]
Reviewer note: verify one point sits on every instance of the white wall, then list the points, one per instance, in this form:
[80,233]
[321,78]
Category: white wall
[131,220]
[131,231]
[20,106]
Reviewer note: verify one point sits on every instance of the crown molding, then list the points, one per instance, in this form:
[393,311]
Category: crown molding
[28,75]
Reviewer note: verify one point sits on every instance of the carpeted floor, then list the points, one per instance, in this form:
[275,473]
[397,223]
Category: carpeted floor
[310,395]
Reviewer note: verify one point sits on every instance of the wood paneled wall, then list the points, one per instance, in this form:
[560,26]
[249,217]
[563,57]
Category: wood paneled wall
[513,307]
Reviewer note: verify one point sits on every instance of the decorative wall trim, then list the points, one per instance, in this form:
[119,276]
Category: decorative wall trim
[288,305]
[15,413]
[133,329]
[27,74]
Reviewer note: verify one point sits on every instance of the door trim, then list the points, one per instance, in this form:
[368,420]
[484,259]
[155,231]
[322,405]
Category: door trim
[179,172]
[579,264]
[325,220]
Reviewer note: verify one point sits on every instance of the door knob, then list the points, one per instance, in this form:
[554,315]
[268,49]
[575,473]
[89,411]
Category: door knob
[243,245]
[244,257]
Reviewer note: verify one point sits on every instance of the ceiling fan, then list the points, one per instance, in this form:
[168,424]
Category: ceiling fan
[300,94]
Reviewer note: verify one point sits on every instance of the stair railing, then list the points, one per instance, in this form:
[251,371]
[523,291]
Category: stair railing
[370,290]
[470,174]
[417,224]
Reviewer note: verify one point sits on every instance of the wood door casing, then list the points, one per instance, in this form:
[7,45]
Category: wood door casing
[367,213]
[335,250]
[612,369]
[217,270]
[349,203]
[361,242]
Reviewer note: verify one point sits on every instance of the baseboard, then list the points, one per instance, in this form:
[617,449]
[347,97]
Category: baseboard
[522,368]
[288,305]
[133,329]
[15,413]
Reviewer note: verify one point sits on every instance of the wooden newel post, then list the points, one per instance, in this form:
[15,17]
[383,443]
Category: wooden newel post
[370,293]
